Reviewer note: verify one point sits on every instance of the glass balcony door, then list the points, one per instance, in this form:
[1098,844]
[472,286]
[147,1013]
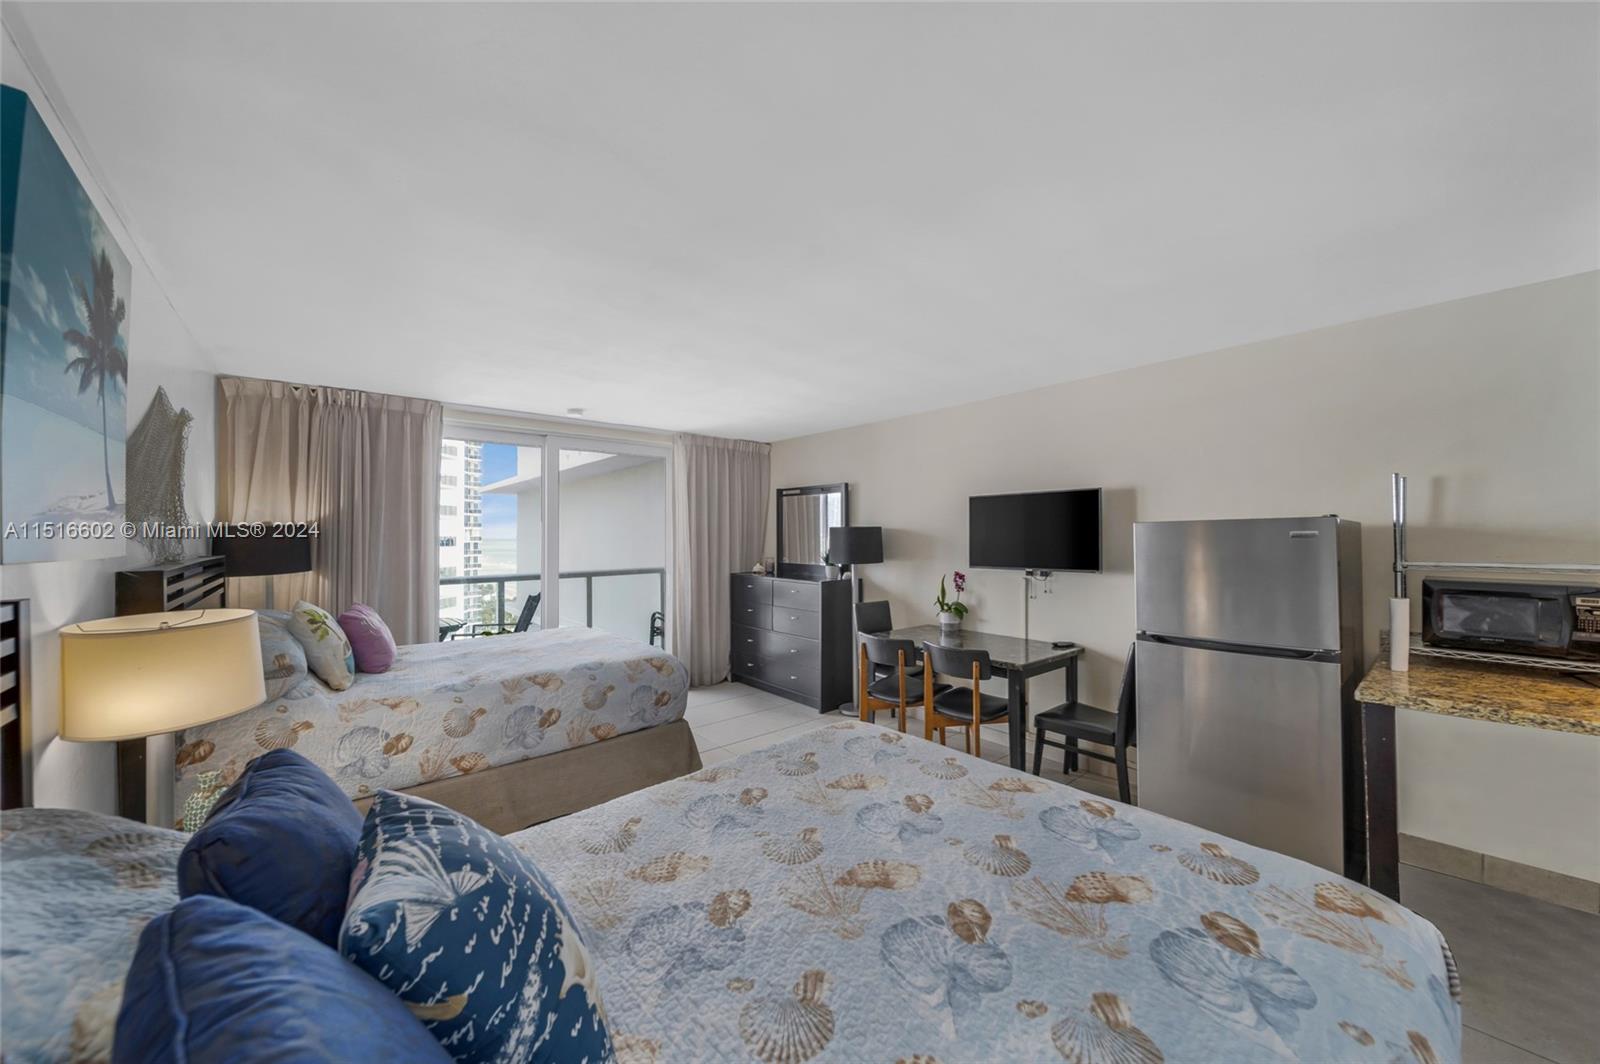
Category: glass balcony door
[603,525]
[614,539]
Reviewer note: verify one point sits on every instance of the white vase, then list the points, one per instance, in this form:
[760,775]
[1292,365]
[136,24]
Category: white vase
[950,622]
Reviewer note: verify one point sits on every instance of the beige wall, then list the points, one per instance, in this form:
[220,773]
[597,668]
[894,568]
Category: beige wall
[161,352]
[1491,405]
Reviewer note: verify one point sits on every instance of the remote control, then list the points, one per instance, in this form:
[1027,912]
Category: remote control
[1063,644]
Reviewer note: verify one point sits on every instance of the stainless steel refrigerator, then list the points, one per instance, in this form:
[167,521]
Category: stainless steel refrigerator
[1249,653]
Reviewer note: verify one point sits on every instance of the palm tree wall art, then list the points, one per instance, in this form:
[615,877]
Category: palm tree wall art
[64,319]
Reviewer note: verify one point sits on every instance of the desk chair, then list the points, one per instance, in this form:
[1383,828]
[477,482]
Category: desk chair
[958,706]
[896,690]
[875,618]
[1074,721]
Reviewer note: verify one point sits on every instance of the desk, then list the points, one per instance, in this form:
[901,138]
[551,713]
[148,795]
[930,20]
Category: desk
[1525,698]
[1015,659]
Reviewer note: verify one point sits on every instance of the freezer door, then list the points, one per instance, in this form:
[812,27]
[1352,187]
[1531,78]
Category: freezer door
[1244,745]
[1271,582]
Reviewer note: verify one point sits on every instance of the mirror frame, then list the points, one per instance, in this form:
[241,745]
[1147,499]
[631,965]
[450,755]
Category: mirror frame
[803,570]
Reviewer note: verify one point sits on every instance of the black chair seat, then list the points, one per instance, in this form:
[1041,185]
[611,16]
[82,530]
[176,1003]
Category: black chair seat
[1077,719]
[956,703]
[888,688]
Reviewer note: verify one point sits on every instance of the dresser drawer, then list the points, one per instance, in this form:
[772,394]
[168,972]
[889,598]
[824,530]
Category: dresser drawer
[795,621]
[747,649]
[797,594]
[752,608]
[746,656]
[756,588]
[791,653]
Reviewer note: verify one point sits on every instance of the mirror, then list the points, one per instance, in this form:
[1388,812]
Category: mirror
[804,517]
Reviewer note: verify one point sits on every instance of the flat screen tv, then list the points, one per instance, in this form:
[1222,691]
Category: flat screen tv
[1054,530]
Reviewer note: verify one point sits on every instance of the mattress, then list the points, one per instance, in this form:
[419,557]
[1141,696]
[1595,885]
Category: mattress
[78,889]
[449,709]
[857,894]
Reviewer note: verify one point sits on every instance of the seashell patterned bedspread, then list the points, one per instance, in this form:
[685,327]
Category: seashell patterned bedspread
[446,709]
[855,894]
[78,888]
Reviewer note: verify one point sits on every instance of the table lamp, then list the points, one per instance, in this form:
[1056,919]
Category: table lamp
[244,554]
[126,678]
[855,545]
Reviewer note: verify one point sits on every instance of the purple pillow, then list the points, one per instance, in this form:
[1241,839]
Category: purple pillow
[369,637]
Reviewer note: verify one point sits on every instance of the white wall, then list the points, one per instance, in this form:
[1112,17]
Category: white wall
[161,352]
[1491,405]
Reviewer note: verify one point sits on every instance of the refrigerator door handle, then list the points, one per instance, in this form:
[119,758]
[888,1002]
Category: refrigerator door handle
[1241,648]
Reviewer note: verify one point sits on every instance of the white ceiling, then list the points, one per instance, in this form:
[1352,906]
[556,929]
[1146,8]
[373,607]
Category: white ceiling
[772,220]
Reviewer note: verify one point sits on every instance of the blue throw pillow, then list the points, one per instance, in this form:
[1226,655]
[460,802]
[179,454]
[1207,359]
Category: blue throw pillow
[472,937]
[212,981]
[282,840]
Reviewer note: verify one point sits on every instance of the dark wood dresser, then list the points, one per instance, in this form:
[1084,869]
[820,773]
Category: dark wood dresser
[792,638]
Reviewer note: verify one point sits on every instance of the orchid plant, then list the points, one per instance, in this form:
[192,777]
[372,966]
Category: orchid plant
[944,604]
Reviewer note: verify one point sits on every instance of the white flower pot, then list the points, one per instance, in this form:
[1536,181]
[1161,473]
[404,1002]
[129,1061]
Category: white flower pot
[950,622]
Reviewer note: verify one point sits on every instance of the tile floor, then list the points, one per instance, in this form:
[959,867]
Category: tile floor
[1530,971]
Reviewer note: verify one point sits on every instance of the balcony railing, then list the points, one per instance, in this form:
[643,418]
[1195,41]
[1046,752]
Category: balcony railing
[588,576]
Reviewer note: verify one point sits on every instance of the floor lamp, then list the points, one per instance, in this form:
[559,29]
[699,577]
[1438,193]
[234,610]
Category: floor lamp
[126,678]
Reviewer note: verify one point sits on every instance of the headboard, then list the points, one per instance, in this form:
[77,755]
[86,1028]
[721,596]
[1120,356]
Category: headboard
[14,666]
[180,585]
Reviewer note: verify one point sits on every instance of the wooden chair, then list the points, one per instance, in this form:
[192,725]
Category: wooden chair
[898,688]
[956,705]
[1074,721]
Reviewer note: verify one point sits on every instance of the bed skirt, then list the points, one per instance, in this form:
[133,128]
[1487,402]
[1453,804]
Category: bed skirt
[512,797]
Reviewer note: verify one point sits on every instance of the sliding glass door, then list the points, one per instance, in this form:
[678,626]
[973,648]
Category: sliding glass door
[603,525]
[613,545]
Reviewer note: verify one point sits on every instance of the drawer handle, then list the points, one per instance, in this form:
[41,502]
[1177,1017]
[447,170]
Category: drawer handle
[795,678]
[794,650]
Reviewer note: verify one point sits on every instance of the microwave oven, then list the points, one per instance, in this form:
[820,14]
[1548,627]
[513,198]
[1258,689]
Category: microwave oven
[1547,620]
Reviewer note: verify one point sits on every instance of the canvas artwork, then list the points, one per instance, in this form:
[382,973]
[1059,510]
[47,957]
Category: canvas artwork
[63,354]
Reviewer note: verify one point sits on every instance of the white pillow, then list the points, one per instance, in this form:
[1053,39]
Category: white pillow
[327,648]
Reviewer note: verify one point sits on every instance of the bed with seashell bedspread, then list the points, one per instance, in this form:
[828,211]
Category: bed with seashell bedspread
[855,894]
[451,709]
[78,889]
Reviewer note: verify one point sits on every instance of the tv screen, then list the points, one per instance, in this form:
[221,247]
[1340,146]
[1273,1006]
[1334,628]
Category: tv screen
[1055,530]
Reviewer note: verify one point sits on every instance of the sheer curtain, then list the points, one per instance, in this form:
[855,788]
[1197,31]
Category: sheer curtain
[364,467]
[721,493]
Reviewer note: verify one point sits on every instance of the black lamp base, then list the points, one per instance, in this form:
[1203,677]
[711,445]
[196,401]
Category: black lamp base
[130,779]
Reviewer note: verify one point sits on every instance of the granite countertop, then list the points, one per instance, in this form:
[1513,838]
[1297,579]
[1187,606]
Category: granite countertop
[1531,698]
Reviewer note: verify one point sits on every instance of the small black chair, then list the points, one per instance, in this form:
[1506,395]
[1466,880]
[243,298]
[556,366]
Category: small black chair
[958,706]
[897,691]
[875,618]
[1074,721]
[524,621]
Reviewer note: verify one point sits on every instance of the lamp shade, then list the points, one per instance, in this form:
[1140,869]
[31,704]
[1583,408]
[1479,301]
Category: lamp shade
[151,673]
[247,554]
[855,545]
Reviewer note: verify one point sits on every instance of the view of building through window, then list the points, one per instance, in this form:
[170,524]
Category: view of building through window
[612,542]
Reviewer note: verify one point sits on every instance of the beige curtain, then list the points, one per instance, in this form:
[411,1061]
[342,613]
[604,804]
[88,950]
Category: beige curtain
[721,494]
[364,467]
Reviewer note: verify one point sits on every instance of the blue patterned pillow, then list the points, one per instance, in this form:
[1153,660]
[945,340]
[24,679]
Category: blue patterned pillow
[472,937]
[282,840]
[215,981]
[283,659]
